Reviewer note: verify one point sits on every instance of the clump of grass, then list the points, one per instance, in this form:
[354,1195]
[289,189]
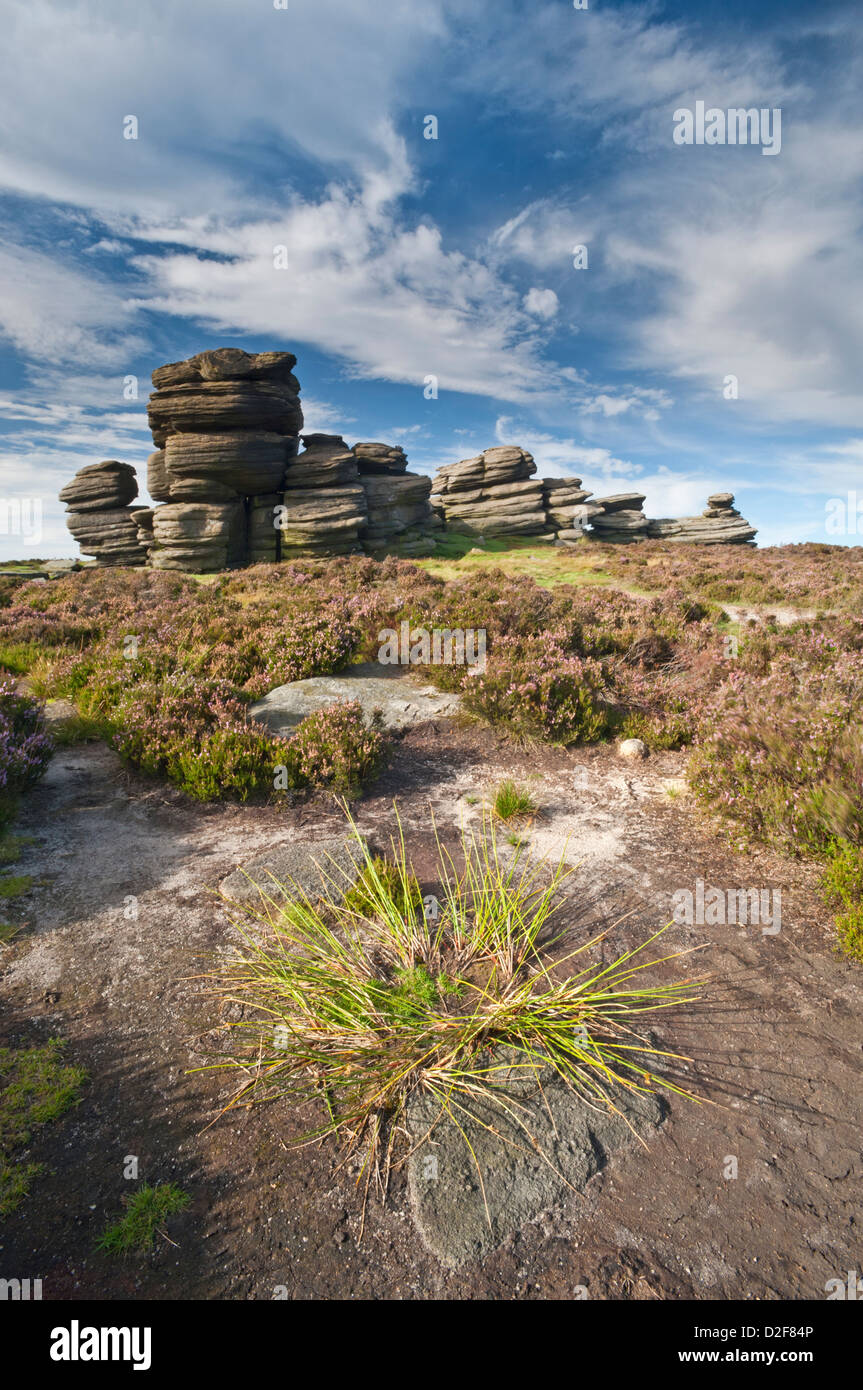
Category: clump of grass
[352,1012]
[11,846]
[513,802]
[8,932]
[146,1211]
[380,883]
[842,884]
[15,885]
[80,728]
[35,1087]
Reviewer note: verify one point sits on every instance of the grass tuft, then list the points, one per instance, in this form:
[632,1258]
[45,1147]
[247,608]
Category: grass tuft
[351,1006]
[513,802]
[146,1211]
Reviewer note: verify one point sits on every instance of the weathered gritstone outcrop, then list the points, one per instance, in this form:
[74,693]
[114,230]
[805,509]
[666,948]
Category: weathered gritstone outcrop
[399,515]
[380,458]
[322,521]
[226,390]
[621,518]
[231,487]
[323,505]
[719,524]
[226,425]
[492,494]
[110,536]
[326,461]
[198,536]
[561,497]
[98,514]
[244,464]
[101,487]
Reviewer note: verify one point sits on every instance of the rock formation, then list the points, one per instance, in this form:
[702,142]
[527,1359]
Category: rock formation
[493,494]
[398,513]
[226,426]
[561,497]
[621,518]
[99,516]
[230,485]
[719,524]
[198,536]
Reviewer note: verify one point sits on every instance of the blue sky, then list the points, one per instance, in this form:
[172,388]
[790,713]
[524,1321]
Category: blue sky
[408,258]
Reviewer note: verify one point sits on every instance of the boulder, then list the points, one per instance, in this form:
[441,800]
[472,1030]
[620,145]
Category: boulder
[111,536]
[101,487]
[326,461]
[621,502]
[619,526]
[316,869]
[324,520]
[491,494]
[244,463]
[158,480]
[395,504]
[560,497]
[503,464]
[401,703]
[375,458]
[227,364]
[475,1178]
[720,524]
[198,536]
[221,407]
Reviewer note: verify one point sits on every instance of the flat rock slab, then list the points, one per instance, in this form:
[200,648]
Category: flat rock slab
[520,1179]
[317,867]
[401,702]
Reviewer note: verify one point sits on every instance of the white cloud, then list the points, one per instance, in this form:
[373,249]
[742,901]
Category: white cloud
[207,80]
[543,304]
[56,314]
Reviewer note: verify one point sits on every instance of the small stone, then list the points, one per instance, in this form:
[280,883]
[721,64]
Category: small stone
[632,748]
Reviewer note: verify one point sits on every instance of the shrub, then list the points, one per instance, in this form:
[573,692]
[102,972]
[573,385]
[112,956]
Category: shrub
[781,756]
[25,747]
[197,735]
[842,884]
[536,691]
[334,748]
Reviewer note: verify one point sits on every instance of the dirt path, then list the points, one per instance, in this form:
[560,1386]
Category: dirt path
[124,913]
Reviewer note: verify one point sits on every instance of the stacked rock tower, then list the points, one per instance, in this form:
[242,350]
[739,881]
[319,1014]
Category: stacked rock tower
[225,424]
[493,494]
[99,515]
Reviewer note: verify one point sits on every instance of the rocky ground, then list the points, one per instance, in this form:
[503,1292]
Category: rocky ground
[124,920]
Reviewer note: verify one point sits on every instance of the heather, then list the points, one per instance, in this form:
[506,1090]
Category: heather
[166,667]
[810,575]
[25,747]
